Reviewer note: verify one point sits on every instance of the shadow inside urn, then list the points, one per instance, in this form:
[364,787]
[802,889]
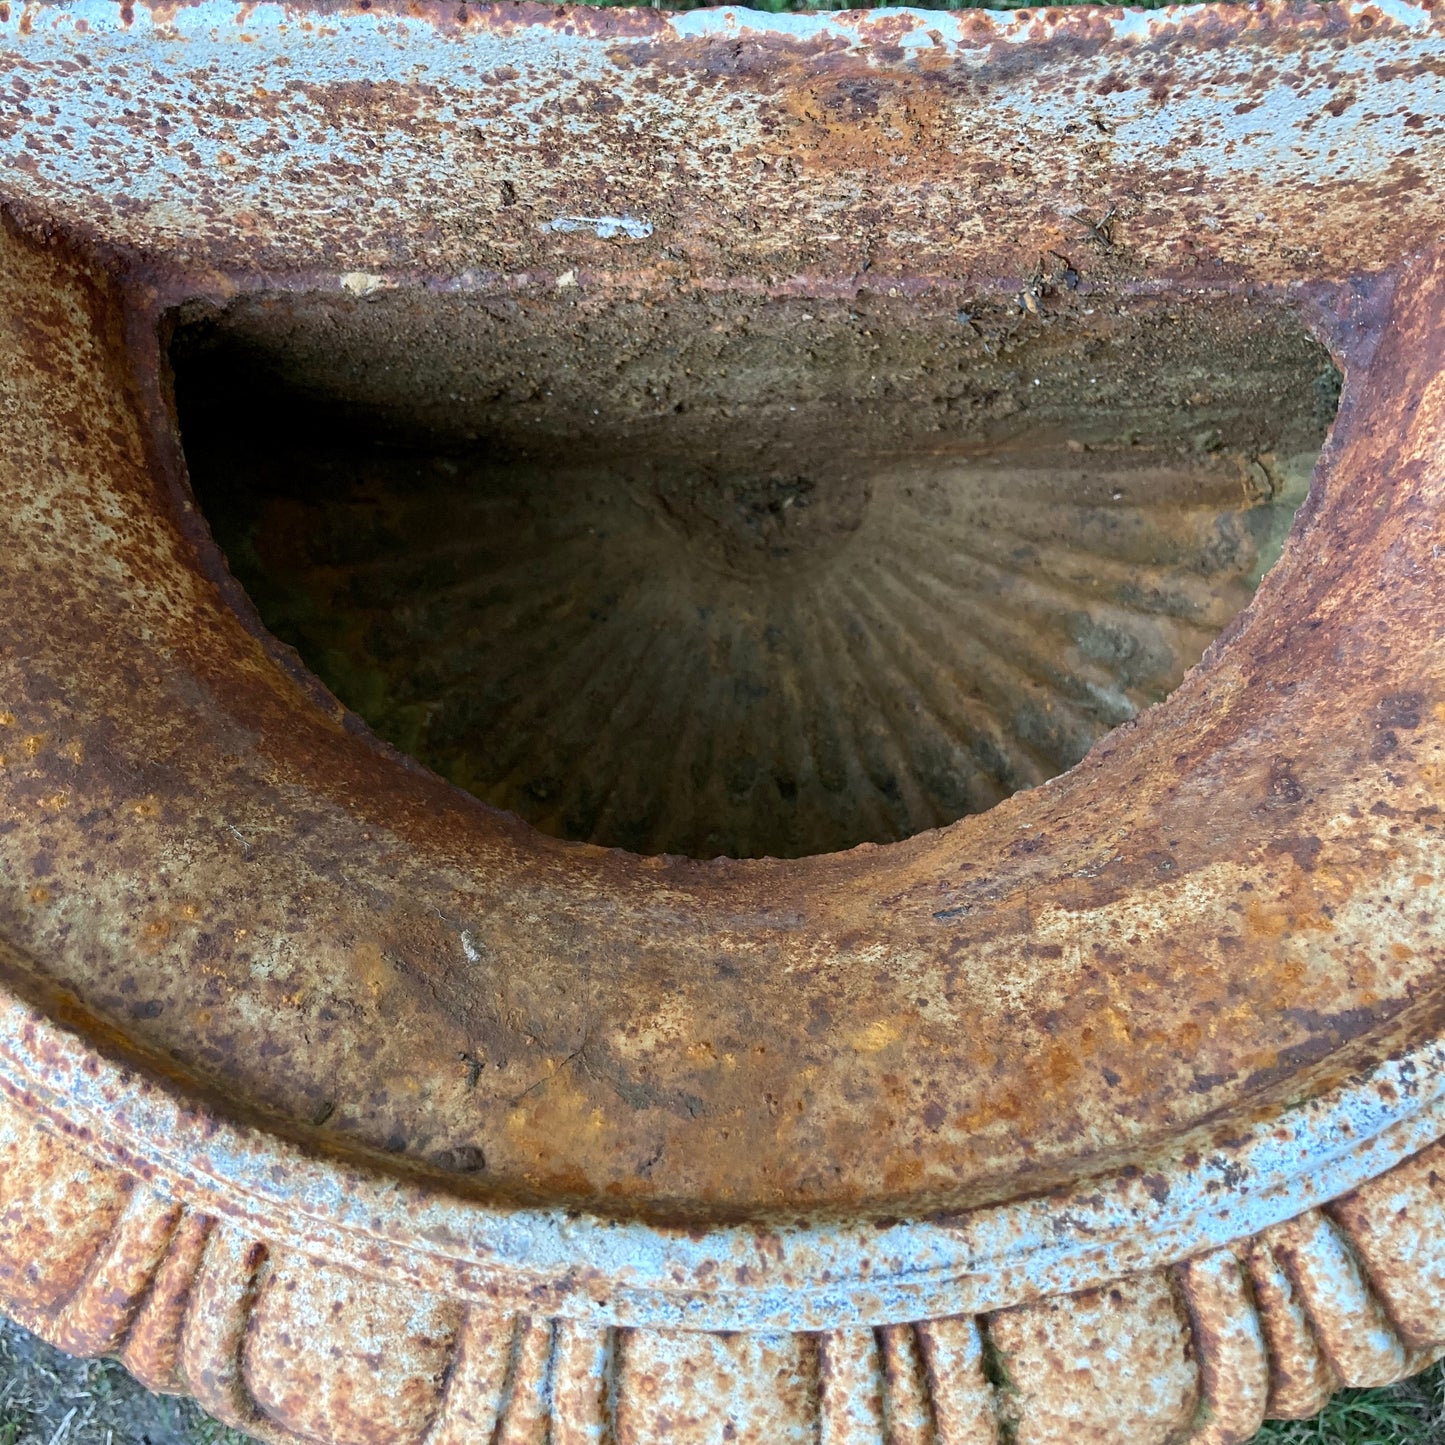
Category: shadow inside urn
[719,576]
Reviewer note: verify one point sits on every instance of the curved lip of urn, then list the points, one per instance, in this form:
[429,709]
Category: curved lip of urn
[807,1266]
[791,1274]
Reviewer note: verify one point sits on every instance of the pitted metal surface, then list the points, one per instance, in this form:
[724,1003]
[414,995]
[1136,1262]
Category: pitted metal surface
[314,1066]
[474,142]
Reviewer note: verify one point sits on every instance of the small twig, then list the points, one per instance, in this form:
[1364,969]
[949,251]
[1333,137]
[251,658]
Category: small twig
[63,1429]
[1101,232]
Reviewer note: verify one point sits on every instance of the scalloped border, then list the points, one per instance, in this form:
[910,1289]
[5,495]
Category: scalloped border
[810,1274]
[346,1330]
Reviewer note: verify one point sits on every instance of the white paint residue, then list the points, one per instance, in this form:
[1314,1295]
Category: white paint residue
[606,228]
[1132,25]
[362,283]
[1415,18]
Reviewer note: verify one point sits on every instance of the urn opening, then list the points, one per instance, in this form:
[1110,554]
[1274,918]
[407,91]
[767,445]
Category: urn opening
[716,575]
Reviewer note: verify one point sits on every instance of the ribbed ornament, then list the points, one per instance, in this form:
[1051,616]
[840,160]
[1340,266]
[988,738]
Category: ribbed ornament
[707,662]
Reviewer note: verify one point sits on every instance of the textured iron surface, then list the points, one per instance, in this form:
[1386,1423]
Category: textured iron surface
[477,142]
[362,1112]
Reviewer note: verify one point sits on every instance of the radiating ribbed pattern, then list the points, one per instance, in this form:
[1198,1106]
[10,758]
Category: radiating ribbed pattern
[751,664]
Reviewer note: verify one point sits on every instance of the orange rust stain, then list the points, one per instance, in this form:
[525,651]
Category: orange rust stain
[1288,976]
[1279,917]
[875,1037]
[860,121]
[903,1172]
[1433,776]
[369,966]
[1062,1065]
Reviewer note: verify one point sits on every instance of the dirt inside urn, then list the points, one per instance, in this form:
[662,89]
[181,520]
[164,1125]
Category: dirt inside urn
[709,574]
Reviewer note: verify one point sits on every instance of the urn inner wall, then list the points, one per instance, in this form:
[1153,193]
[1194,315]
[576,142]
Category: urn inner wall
[720,575]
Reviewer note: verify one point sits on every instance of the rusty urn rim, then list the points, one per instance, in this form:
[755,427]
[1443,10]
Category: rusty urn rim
[955,1101]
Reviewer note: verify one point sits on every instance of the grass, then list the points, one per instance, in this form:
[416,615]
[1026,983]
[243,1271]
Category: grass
[47,1398]
[1412,1413]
